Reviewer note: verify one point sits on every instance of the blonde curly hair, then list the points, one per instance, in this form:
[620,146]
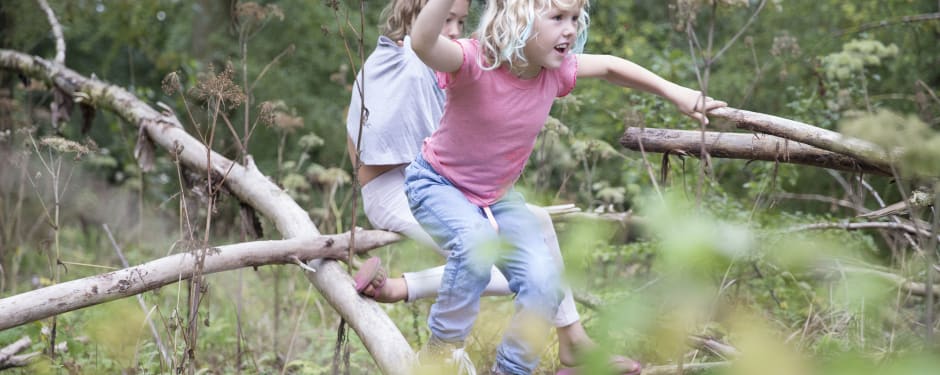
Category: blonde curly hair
[506,26]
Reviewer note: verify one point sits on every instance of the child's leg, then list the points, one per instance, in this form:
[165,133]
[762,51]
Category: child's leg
[534,276]
[458,226]
[567,313]
[386,207]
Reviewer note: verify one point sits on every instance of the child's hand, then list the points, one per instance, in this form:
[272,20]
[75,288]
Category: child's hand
[691,103]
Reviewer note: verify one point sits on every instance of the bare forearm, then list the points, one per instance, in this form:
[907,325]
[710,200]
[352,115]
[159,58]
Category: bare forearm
[625,73]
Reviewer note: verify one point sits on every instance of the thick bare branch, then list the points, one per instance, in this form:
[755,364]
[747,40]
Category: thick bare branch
[379,334]
[909,228]
[10,350]
[741,146]
[56,32]
[71,295]
[906,285]
[863,151]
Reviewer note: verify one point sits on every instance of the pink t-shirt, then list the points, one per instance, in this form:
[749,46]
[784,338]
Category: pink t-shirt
[491,119]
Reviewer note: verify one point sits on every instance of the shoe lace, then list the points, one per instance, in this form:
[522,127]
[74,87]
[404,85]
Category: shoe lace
[462,360]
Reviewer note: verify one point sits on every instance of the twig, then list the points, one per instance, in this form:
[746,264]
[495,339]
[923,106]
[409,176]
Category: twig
[908,286]
[929,91]
[304,266]
[140,299]
[821,198]
[56,32]
[297,319]
[741,31]
[858,226]
[889,22]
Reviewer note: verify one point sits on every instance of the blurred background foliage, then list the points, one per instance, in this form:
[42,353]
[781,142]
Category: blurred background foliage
[726,254]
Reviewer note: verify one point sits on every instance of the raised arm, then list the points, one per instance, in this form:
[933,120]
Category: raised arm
[436,50]
[627,74]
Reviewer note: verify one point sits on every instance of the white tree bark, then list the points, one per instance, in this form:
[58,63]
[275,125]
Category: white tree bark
[75,294]
[379,334]
[862,150]
[741,146]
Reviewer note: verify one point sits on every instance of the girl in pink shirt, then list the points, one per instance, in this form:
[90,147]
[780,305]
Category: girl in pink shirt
[500,88]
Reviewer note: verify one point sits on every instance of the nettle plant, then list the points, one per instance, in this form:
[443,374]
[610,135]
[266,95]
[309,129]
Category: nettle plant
[850,70]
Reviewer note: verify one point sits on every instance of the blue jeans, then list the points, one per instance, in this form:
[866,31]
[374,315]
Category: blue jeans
[463,229]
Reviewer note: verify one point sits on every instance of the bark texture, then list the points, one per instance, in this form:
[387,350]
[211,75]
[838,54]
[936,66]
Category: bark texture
[742,146]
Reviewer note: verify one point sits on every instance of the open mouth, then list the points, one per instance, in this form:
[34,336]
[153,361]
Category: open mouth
[561,48]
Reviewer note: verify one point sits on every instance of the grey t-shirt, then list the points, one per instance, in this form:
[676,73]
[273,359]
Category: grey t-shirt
[403,100]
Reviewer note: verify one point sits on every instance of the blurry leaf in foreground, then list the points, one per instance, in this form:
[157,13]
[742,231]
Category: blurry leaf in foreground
[579,243]
[763,351]
[116,327]
[691,239]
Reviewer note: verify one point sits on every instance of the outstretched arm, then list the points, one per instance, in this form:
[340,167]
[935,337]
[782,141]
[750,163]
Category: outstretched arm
[436,51]
[627,74]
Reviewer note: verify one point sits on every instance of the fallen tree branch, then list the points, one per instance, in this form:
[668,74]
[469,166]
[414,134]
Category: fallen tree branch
[859,226]
[56,32]
[717,347]
[379,334]
[865,152]
[689,368]
[741,146]
[822,198]
[75,294]
[9,358]
[10,350]
[906,285]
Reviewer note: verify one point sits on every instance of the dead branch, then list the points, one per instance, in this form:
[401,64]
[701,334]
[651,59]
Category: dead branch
[71,295]
[12,349]
[742,146]
[9,358]
[717,347]
[822,198]
[863,151]
[906,285]
[893,21]
[56,32]
[689,368]
[379,334]
[909,228]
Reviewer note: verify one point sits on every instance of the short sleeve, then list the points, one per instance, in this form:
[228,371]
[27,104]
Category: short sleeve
[468,68]
[567,75]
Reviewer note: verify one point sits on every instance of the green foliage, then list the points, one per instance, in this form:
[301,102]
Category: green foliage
[855,56]
[917,146]
[720,255]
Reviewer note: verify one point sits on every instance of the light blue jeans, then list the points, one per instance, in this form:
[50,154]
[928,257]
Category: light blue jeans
[463,229]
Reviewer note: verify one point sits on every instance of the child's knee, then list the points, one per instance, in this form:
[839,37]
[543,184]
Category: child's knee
[543,283]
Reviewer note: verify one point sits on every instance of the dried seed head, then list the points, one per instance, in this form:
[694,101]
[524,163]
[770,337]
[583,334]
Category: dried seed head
[171,83]
[219,87]
[63,145]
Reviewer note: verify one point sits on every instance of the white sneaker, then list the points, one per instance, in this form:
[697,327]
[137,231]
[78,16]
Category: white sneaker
[438,357]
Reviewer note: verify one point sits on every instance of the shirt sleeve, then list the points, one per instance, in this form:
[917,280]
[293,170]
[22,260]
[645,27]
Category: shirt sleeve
[445,80]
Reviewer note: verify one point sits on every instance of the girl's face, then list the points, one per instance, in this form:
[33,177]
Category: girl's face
[453,26]
[554,33]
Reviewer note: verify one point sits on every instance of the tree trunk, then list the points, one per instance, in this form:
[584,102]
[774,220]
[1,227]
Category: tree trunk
[741,146]
[379,334]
